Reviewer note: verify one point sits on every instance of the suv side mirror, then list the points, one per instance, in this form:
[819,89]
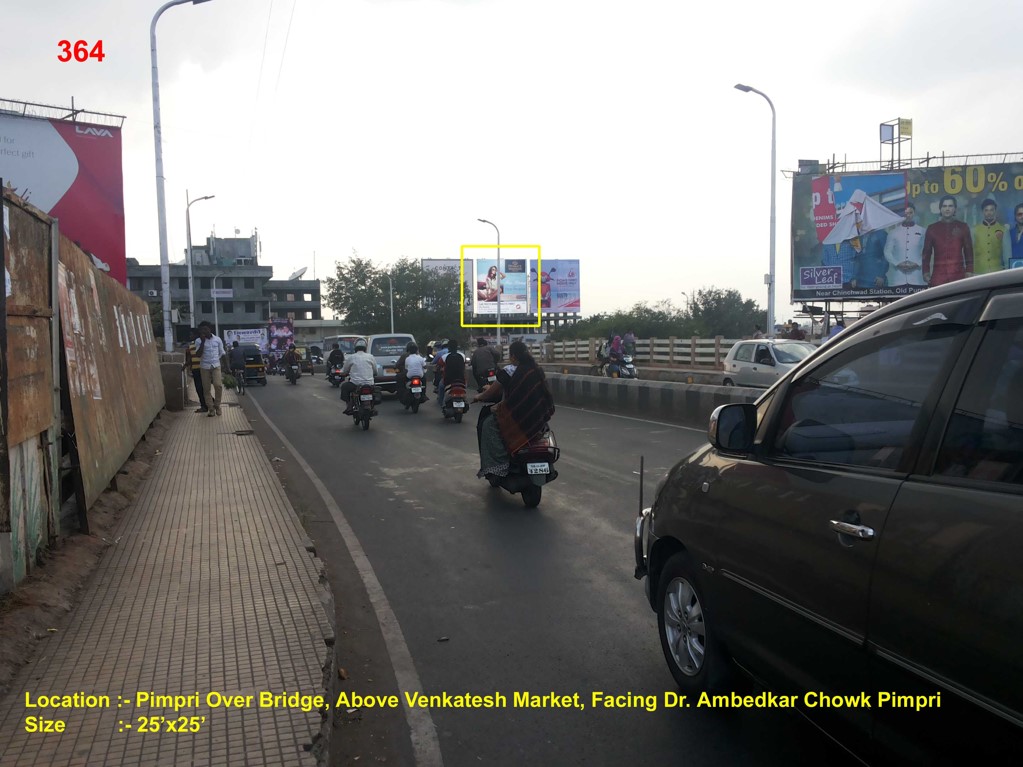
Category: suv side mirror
[732,427]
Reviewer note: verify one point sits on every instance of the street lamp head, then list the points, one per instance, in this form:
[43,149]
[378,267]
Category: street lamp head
[743,88]
[209,196]
[482,220]
[196,2]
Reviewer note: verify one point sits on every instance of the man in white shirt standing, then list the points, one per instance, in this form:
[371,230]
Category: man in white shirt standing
[904,251]
[210,350]
[360,369]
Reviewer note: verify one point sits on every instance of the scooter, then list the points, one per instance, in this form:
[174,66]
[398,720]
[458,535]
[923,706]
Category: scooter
[335,376]
[362,403]
[415,393]
[293,374]
[455,406]
[531,467]
[624,369]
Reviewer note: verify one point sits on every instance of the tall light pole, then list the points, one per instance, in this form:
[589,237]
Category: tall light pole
[484,221]
[390,285]
[188,234]
[770,276]
[216,316]
[161,202]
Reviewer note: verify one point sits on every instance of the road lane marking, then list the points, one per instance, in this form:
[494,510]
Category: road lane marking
[422,730]
[630,418]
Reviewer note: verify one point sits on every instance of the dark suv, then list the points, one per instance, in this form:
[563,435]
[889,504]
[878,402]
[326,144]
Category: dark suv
[853,540]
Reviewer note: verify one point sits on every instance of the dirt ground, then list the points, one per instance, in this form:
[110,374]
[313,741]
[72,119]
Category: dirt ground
[38,608]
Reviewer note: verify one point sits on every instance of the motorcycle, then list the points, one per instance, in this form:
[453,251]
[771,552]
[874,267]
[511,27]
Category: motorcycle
[415,393]
[455,405]
[487,379]
[335,376]
[362,403]
[531,467]
[293,374]
[626,368]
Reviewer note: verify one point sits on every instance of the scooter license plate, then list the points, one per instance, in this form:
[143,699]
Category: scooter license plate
[417,389]
[538,468]
[366,397]
[491,379]
[458,404]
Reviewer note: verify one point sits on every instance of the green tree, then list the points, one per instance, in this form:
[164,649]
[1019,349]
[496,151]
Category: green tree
[354,294]
[717,312]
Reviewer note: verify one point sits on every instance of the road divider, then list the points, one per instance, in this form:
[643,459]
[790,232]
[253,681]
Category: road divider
[689,404]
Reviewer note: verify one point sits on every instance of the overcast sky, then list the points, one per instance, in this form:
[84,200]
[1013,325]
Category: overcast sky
[604,131]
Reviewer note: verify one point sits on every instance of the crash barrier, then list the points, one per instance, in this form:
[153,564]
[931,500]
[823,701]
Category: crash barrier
[79,382]
[646,373]
[689,404]
[695,351]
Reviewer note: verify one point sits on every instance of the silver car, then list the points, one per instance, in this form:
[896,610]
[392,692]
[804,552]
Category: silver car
[763,361]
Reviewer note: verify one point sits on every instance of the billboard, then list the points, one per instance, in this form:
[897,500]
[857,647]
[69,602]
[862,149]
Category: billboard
[282,335]
[514,286]
[558,285]
[890,233]
[72,171]
[253,336]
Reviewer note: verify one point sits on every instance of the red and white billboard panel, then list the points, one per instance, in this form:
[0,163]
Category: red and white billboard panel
[72,171]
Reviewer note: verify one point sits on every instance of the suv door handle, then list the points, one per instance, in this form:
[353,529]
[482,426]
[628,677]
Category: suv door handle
[860,532]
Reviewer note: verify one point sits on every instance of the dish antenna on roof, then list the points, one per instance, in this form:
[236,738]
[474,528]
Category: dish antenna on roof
[298,275]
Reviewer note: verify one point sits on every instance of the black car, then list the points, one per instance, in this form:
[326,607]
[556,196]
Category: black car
[853,539]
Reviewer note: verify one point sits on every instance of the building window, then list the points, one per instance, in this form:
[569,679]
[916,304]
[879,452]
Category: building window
[206,307]
[250,283]
[290,297]
[250,307]
[182,283]
[226,283]
[204,283]
[228,307]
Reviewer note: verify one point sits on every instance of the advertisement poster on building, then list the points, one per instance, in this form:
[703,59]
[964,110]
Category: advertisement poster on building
[886,234]
[72,171]
[558,283]
[514,286]
[281,336]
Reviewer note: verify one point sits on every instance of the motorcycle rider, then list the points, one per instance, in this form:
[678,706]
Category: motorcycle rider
[454,369]
[399,371]
[484,358]
[336,358]
[360,369]
[413,365]
[291,358]
[438,365]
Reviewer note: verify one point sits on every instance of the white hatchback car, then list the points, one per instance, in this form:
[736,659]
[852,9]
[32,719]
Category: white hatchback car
[763,361]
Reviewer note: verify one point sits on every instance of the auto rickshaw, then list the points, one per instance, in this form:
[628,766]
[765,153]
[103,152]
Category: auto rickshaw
[255,368]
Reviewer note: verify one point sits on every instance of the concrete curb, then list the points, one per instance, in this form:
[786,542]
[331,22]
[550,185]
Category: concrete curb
[689,404]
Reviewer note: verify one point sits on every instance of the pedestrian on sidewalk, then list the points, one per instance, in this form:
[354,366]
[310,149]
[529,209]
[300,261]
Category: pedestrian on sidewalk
[211,352]
[192,364]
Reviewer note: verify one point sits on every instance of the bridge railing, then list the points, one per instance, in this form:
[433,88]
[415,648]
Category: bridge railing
[682,352]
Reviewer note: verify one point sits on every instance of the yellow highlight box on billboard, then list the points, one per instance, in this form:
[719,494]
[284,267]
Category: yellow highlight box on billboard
[461,279]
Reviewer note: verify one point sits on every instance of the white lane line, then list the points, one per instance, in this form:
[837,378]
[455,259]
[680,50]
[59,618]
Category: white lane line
[629,418]
[422,730]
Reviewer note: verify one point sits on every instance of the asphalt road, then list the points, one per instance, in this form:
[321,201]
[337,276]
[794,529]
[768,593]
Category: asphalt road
[491,597]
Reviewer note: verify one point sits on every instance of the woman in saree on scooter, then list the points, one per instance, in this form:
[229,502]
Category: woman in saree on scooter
[525,406]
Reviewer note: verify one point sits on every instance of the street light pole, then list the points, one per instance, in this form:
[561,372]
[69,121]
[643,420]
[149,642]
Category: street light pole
[484,221]
[390,285]
[188,234]
[770,276]
[216,317]
[161,202]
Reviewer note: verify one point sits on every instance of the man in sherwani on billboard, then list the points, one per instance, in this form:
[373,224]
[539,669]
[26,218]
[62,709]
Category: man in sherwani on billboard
[948,247]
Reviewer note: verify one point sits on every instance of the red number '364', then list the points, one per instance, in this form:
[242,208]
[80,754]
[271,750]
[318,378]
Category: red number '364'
[81,51]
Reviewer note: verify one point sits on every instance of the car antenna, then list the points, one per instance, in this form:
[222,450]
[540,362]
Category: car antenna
[641,484]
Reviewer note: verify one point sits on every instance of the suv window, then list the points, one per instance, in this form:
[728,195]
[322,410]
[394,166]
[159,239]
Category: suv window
[861,406]
[387,347]
[744,353]
[984,438]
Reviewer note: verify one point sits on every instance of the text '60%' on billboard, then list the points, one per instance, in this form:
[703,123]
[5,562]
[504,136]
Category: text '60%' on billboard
[888,234]
[72,171]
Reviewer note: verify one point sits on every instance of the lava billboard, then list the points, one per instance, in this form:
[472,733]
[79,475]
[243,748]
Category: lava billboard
[890,233]
[71,171]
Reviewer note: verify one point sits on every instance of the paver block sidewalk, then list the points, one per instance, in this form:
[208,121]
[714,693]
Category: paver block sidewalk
[208,588]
